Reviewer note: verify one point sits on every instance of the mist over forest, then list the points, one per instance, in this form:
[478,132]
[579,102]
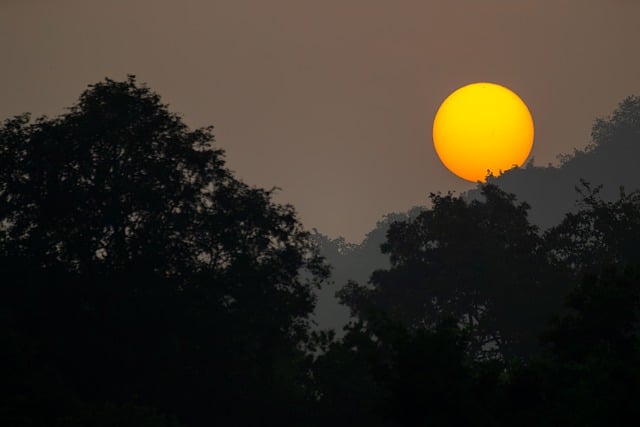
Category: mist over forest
[143,284]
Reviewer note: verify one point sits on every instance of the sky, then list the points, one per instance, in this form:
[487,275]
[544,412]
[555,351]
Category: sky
[331,101]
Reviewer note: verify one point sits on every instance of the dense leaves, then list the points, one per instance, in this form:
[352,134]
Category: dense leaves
[142,284]
[600,234]
[140,270]
[480,262]
[382,373]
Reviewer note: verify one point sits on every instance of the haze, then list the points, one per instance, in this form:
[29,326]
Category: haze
[331,101]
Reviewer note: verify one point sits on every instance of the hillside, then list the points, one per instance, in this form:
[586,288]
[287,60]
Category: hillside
[611,161]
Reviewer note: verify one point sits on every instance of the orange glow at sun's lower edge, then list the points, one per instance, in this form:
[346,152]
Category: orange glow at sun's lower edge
[482,127]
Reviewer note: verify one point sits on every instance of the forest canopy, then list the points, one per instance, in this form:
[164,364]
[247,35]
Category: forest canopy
[139,269]
[144,284]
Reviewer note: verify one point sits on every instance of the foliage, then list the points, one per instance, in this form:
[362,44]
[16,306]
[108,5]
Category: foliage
[589,375]
[139,270]
[384,374]
[142,284]
[603,320]
[609,160]
[480,262]
[600,234]
[351,262]
[622,127]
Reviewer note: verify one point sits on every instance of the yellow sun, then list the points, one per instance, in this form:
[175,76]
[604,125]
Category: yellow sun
[482,127]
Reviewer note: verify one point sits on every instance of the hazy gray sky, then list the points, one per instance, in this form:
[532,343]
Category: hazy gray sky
[330,100]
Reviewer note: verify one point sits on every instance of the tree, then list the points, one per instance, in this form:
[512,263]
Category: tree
[603,318]
[601,234]
[480,262]
[385,374]
[608,160]
[588,375]
[354,262]
[139,270]
[621,128]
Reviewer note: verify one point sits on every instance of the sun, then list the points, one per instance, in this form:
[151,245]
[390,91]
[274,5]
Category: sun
[482,127]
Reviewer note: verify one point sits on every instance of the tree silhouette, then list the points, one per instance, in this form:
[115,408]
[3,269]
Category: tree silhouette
[385,374]
[589,374]
[601,234]
[143,284]
[608,160]
[353,262]
[480,262]
[621,128]
[137,269]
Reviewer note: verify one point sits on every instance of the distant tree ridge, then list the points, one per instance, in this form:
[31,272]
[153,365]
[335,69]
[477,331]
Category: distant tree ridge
[606,164]
[609,160]
[350,262]
[142,284]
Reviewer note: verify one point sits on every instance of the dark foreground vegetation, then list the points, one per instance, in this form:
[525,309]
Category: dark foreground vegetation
[141,284]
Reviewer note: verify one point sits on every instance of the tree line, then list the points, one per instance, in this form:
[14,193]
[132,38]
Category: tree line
[143,284]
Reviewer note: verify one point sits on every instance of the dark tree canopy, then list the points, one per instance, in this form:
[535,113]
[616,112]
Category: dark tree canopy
[142,284]
[620,128]
[404,363]
[481,262]
[141,264]
[385,374]
[600,234]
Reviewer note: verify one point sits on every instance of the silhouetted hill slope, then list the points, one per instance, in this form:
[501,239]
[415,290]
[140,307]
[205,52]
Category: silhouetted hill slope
[351,261]
[610,160]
